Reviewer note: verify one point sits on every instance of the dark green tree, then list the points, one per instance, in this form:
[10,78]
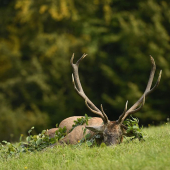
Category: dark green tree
[37,39]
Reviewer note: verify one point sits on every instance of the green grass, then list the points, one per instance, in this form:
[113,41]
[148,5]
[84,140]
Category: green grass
[154,153]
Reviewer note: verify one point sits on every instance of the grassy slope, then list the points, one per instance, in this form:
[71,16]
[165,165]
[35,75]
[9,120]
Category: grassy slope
[154,153]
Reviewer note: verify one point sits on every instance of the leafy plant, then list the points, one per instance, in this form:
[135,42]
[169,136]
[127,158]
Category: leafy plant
[91,141]
[37,142]
[60,133]
[133,128]
[80,121]
[32,143]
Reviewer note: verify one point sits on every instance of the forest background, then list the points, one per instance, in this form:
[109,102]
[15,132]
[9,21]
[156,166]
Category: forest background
[38,38]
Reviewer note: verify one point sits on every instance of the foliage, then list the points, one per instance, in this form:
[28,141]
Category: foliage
[37,39]
[80,121]
[60,133]
[33,143]
[89,141]
[132,125]
[36,142]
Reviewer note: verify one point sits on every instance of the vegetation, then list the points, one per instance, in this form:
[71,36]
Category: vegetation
[80,121]
[153,153]
[39,142]
[33,143]
[37,39]
[133,128]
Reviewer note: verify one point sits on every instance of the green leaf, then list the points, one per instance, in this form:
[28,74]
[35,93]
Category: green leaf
[39,141]
[135,128]
[32,128]
[89,143]
[28,138]
[29,131]
[43,132]
[88,136]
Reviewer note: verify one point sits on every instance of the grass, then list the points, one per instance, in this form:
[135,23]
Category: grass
[154,153]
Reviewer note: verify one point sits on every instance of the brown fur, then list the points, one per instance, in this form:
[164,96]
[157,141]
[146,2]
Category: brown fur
[113,129]
[77,133]
[51,132]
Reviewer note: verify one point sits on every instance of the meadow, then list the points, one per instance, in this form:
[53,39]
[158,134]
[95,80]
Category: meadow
[153,153]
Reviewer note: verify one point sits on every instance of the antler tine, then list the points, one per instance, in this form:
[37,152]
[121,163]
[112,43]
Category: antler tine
[104,117]
[136,110]
[75,75]
[151,74]
[121,119]
[78,62]
[83,56]
[104,114]
[79,89]
[72,58]
[121,116]
[156,84]
[147,92]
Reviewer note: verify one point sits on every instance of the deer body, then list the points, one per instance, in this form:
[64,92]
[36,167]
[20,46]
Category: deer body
[78,132]
[111,131]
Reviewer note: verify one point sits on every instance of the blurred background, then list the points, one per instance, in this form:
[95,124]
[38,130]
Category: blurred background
[37,39]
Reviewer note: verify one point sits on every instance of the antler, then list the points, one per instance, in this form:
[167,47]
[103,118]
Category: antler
[141,101]
[79,90]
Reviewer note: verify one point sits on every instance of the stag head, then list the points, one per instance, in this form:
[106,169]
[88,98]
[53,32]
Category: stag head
[112,131]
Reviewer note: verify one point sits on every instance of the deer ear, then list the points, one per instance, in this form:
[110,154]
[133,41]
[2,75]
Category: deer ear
[98,129]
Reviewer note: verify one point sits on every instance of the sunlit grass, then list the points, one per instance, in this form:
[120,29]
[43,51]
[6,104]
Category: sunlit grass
[154,153]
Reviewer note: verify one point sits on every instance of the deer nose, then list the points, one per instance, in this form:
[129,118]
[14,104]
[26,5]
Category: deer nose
[111,140]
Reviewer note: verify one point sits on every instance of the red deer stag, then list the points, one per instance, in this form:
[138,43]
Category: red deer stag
[111,131]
